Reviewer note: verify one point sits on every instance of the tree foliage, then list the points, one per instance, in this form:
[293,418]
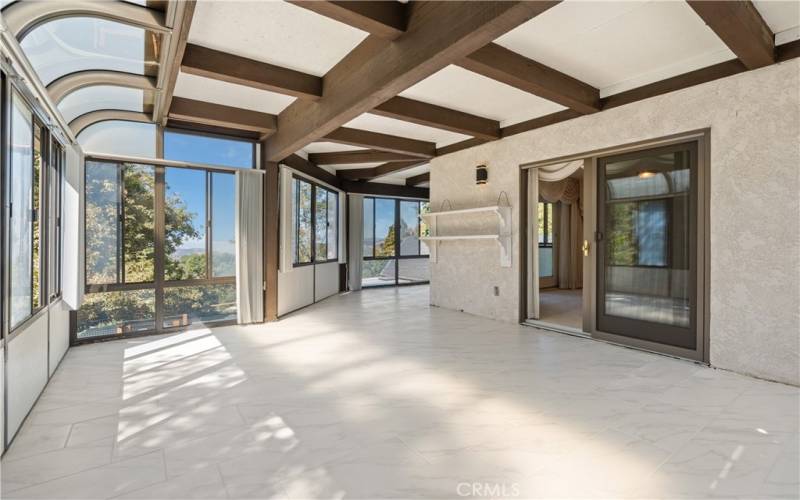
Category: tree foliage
[120,227]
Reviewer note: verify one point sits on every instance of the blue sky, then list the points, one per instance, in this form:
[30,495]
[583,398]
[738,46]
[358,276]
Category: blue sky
[210,150]
[190,184]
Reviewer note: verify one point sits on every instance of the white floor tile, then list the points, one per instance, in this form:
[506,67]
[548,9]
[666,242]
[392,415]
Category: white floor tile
[376,395]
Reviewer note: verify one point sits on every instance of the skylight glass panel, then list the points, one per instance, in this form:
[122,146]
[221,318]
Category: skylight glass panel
[97,97]
[118,137]
[71,44]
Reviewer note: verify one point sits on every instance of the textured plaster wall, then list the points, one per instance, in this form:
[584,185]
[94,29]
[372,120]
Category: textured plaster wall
[754,120]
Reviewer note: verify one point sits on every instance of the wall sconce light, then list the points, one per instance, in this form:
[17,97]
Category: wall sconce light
[481,175]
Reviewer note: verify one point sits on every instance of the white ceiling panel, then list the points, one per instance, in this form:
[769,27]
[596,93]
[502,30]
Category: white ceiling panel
[463,90]
[375,123]
[401,176]
[411,172]
[275,32]
[616,46]
[230,94]
[329,147]
[782,17]
[351,166]
[388,179]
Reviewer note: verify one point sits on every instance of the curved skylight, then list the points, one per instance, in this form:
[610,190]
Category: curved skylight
[71,44]
[98,97]
[120,138]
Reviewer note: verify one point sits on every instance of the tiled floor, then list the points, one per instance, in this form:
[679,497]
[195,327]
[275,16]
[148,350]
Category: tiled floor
[375,395]
[561,307]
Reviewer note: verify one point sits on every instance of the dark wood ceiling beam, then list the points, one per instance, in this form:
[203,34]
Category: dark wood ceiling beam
[383,19]
[418,179]
[182,13]
[784,52]
[308,168]
[381,142]
[431,115]
[217,115]
[739,25]
[380,189]
[540,121]
[379,171]
[210,63]
[210,129]
[499,63]
[458,146]
[439,33]
[362,156]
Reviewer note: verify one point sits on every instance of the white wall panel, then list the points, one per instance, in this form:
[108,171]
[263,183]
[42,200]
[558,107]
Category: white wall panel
[27,371]
[2,398]
[327,280]
[71,270]
[59,333]
[295,289]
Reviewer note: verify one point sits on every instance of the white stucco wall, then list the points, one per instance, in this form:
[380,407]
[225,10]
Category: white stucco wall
[754,119]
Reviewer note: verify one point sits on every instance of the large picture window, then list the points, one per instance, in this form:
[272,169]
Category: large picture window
[208,149]
[315,218]
[393,253]
[21,212]
[34,214]
[160,249]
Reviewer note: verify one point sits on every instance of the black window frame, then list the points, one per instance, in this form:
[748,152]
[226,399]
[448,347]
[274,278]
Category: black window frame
[198,133]
[296,180]
[50,197]
[397,256]
[548,235]
[159,284]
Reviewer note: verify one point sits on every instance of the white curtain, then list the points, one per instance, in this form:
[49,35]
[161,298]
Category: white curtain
[559,171]
[550,174]
[533,243]
[356,241]
[342,233]
[249,245]
[286,261]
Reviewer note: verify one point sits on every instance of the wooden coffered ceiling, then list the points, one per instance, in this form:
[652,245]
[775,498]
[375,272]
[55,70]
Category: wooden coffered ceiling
[370,91]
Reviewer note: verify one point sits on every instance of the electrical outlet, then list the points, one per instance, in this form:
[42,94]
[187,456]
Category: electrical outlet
[497,291]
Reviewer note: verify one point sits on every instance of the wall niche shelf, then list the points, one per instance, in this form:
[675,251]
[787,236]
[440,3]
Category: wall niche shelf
[502,236]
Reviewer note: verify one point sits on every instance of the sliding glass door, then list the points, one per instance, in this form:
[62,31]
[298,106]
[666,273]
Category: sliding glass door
[647,253]
[159,248]
[393,253]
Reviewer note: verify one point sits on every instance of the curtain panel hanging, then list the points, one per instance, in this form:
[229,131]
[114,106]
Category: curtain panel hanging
[533,244]
[249,245]
[355,253]
[286,259]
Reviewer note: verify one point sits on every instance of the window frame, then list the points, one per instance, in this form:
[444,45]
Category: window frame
[50,187]
[548,235]
[397,254]
[160,285]
[315,186]
[199,133]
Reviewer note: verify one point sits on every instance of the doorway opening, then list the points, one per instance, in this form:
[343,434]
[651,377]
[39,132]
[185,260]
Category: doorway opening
[560,228]
[619,245]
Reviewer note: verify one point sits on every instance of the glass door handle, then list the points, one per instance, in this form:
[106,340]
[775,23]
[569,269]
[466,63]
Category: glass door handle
[585,248]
